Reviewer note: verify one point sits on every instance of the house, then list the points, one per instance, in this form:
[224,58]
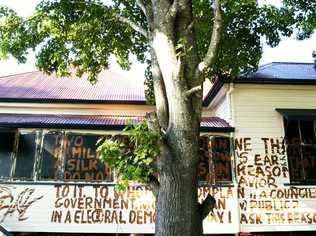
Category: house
[273,112]
[51,177]
[257,154]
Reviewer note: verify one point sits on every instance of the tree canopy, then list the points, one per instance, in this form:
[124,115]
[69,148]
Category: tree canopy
[83,34]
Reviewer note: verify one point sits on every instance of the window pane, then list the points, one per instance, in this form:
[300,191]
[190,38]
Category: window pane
[6,150]
[295,162]
[221,157]
[215,160]
[82,161]
[204,169]
[51,153]
[301,152]
[307,131]
[292,134]
[309,162]
[26,156]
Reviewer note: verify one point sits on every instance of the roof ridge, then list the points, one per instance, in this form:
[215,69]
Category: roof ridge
[265,66]
[289,62]
[29,114]
[22,73]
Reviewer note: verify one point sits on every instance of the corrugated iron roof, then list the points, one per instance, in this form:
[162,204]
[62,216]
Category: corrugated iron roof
[283,71]
[272,73]
[214,122]
[93,122]
[39,87]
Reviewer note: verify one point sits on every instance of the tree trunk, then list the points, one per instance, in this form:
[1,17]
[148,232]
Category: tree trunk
[177,206]
[178,210]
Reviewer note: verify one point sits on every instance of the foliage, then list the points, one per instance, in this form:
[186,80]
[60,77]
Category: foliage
[305,16]
[149,85]
[245,24]
[82,34]
[133,161]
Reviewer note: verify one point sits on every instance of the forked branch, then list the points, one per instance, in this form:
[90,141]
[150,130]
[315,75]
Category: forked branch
[216,35]
[193,90]
[133,25]
[173,9]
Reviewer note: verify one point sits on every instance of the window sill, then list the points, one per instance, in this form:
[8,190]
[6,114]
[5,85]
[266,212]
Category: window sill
[206,184]
[21,182]
[306,183]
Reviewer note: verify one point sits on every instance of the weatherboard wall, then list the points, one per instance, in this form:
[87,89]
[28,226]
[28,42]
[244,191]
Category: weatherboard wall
[222,109]
[87,208]
[267,201]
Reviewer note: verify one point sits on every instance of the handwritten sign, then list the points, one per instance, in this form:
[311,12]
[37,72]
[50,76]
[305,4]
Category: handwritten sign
[16,204]
[100,209]
[263,198]
[103,205]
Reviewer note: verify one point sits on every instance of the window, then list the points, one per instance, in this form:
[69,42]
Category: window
[51,155]
[215,160]
[301,150]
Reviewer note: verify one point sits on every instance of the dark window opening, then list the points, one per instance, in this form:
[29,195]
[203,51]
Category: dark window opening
[6,153]
[215,160]
[301,150]
[24,166]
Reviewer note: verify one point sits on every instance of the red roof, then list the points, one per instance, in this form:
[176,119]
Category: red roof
[93,122]
[38,87]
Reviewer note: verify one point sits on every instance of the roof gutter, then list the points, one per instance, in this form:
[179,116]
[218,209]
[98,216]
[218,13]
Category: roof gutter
[4,231]
[247,80]
[218,84]
[72,101]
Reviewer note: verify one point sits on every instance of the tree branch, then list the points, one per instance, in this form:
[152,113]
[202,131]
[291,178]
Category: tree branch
[133,25]
[160,93]
[173,9]
[143,7]
[189,28]
[147,8]
[207,206]
[193,90]
[216,35]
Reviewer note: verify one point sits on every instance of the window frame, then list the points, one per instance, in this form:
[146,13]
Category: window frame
[305,180]
[211,165]
[38,159]
[39,139]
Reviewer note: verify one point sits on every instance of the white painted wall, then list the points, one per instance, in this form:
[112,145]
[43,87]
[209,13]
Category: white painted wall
[32,208]
[222,109]
[255,118]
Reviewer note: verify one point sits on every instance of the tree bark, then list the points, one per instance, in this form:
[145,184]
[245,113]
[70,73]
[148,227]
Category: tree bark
[178,211]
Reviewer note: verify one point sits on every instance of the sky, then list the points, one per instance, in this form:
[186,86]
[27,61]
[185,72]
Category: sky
[289,49]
